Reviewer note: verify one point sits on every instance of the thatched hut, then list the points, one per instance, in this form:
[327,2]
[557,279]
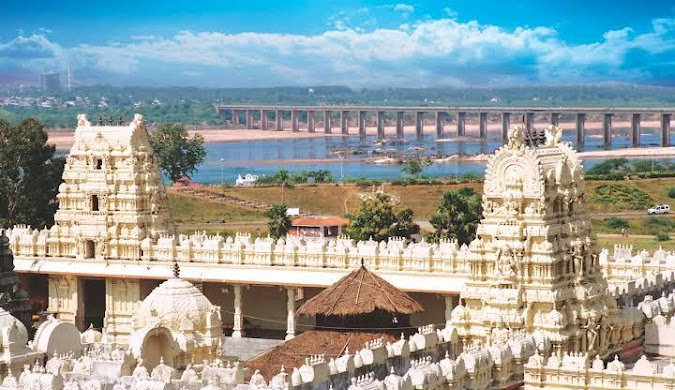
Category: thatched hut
[361,300]
[359,307]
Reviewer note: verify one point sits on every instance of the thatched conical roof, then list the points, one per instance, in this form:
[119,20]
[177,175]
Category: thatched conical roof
[360,292]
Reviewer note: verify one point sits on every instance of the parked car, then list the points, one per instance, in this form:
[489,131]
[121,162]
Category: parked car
[659,209]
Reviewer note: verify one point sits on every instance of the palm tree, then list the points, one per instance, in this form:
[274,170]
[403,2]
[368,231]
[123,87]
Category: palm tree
[284,178]
[278,221]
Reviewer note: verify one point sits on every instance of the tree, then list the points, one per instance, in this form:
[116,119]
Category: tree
[284,178]
[415,165]
[457,216]
[178,155]
[30,175]
[278,221]
[376,219]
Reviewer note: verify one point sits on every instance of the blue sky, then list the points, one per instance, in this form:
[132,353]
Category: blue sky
[253,43]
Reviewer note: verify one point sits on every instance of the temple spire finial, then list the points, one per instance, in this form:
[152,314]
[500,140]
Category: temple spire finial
[176,270]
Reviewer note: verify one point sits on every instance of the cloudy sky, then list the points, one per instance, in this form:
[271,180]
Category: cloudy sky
[231,43]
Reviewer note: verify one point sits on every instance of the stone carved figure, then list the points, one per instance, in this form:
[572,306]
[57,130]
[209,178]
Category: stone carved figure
[140,372]
[553,134]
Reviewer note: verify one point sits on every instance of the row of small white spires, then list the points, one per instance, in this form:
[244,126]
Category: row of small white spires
[395,253]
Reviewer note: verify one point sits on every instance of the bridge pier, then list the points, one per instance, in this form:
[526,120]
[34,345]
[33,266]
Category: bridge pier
[580,128]
[483,125]
[249,119]
[461,124]
[506,123]
[399,124]
[380,125]
[555,118]
[439,124]
[280,120]
[235,117]
[311,126]
[362,123]
[294,121]
[665,129]
[419,124]
[263,119]
[607,130]
[635,130]
[327,122]
[344,125]
[529,122]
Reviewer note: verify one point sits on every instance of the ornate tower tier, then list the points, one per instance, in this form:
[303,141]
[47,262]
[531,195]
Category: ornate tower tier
[534,263]
[112,196]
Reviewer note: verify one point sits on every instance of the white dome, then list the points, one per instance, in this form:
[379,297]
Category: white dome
[12,331]
[173,301]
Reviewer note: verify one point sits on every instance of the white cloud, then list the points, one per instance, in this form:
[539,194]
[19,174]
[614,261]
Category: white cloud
[429,52]
[404,9]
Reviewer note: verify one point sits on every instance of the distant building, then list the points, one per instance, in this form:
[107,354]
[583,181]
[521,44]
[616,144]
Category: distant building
[317,227]
[50,82]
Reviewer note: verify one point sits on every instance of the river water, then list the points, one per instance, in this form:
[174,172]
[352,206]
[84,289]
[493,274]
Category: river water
[226,160]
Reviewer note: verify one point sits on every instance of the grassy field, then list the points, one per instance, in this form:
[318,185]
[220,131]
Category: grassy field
[337,199]
[639,243]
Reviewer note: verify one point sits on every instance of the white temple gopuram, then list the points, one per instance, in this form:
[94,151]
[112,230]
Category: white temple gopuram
[531,303]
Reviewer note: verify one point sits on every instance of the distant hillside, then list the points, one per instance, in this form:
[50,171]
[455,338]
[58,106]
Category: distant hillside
[195,105]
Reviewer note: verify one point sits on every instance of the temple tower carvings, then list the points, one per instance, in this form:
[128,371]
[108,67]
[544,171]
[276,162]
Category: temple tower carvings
[534,263]
[112,196]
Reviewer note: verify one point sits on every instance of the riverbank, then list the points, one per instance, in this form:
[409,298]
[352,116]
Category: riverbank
[63,140]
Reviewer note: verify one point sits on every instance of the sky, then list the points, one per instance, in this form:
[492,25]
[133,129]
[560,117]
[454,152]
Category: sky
[361,44]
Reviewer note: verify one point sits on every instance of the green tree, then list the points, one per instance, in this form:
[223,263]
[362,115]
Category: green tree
[178,155]
[414,166]
[616,223]
[30,175]
[278,220]
[457,216]
[376,219]
[284,178]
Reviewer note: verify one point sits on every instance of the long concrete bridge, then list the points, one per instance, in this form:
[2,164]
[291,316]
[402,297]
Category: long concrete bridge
[260,116]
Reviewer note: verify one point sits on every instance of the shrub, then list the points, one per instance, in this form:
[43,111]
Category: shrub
[621,197]
[671,192]
[662,237]
[616,223]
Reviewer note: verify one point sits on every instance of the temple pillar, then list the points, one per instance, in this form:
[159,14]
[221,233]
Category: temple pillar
[461,124]
[448,307]
[555,118]
[249,119]
[483,125]
[344,122]
[419,124]
[635,130]
[362,123]
[506,123]
[311,127]
[380,125]
[280,120]
[607,129]
[326,122]
[66,299]
[263,119]
[665,130]
[122,297]
[399,124]
[238,321]
[439,124]
[294,121]
[529,122]
[580,128]
[290,318]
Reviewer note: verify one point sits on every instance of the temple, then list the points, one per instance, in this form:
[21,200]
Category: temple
[531,303]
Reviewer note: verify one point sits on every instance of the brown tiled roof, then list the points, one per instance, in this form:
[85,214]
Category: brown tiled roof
[292,353]
[360,292]
[320,221]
